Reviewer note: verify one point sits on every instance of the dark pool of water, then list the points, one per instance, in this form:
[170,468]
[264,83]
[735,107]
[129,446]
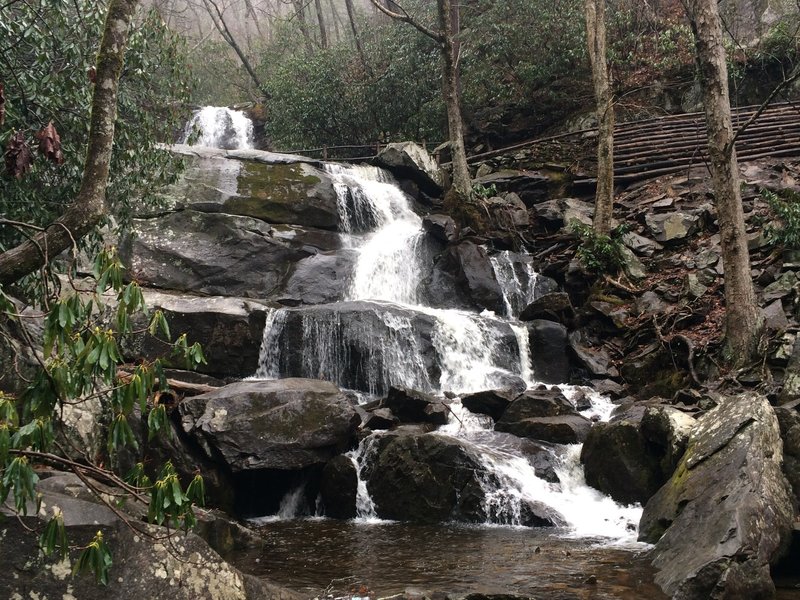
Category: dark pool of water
[314,555]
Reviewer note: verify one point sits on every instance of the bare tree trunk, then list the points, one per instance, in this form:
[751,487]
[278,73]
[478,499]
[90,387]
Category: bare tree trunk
[323,32]
[337,21]
[743,319]
[449,24]
[596,38]
[299,11]
[222,27]
[89,206]
[351,16]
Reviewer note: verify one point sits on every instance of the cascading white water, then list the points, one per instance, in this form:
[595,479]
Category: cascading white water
[379,335]
[369,202]
[585,511]
[517,280]
[219,127]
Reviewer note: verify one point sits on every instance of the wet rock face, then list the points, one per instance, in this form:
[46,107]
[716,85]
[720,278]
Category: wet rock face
[210,254]
[544,415]
[630,457]
[288,424]
[726,513]
[413,406]
[549,358]
[433,479]
[338,488]
[229,330]
[463,277]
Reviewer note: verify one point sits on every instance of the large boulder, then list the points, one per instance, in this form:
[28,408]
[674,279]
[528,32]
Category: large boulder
[432,479]
[633,455]
[490,402]
[210,254]
[413,406]
[229,329]
[276,188]
[287,424]
[407,160]
[725,514]
[463,277]
[549,343]
[544,415]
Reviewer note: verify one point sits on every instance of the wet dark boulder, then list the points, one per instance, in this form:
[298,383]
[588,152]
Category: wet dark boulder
[633,455]
[413,406]
[726,514]
[549,343]
[338,488]
[434,479]
[286,424]
[789,420]
[319,279]
[380,418]
[463,277]
[490,402]
[229,330]
[544,415]
[441,227]
[553,306]
[209,254]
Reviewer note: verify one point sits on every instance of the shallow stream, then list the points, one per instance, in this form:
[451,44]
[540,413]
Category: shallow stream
[315,555]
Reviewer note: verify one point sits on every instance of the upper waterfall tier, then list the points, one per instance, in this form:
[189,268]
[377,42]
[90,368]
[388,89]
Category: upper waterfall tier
[219,127]
[370,203]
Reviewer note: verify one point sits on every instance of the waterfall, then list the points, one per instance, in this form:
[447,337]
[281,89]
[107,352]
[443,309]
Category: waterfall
[219,127]
[517,279]
[380,334]
[514,483]
[370,203]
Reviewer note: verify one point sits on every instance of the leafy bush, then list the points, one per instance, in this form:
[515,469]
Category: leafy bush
[599,253]
[81,359]
[786,208]
[48,49]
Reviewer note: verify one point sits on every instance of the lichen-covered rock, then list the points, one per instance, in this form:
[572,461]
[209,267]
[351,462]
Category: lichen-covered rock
[148,561]
[725,514]
[286,424]
[672,227]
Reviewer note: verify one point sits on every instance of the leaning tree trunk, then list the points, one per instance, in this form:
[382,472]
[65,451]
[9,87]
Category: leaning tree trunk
[89,206]
[451,91]
[743,319]
[323,32]
[596,38]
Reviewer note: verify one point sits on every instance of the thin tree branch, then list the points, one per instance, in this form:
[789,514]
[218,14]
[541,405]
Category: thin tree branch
[407,18]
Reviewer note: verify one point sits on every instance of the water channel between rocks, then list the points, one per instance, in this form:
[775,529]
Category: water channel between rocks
[393,326]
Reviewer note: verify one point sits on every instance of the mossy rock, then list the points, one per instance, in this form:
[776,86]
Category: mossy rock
[295,193]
